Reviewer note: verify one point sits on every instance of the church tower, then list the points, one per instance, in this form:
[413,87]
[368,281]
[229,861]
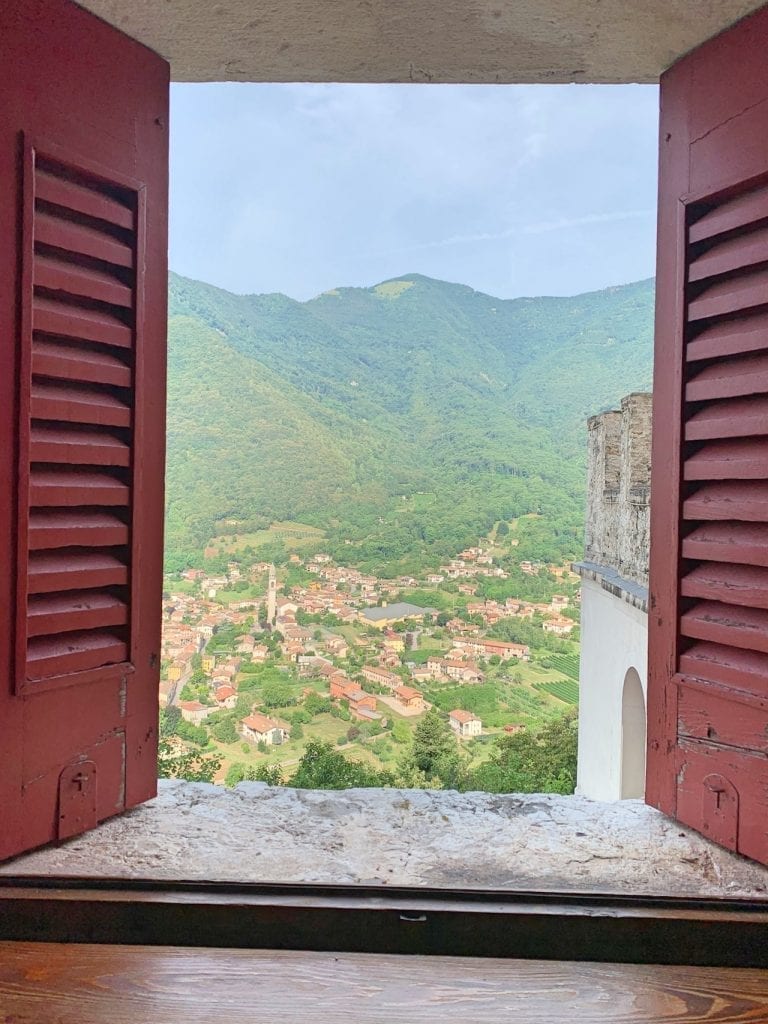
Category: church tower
[272,596]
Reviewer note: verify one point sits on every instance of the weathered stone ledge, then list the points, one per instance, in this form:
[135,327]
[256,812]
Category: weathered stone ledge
[633,593]
[401,837]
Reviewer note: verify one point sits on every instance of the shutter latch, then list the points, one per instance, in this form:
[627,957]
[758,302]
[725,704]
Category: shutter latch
[77,799]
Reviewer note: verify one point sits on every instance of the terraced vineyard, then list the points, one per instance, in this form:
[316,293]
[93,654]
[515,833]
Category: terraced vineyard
[566,690]
[568,664]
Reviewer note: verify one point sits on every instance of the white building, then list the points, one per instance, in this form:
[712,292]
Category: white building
[614,605]
[465,724]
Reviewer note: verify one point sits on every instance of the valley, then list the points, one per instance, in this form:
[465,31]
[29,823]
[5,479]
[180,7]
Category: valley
[416,446]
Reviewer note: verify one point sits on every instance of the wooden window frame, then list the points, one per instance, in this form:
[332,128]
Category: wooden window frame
[378,919]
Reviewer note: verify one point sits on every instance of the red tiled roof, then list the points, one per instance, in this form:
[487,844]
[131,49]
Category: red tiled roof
[407,692]
[462,716]
[260,723]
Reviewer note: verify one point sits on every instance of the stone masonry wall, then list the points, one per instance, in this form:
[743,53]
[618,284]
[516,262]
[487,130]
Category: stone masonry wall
[618,488]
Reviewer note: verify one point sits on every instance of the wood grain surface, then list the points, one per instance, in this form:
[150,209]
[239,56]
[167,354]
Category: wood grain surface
[47,983]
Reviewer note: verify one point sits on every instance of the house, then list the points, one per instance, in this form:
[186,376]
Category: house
[225,696]
[560,626]
[409,697]
[337,646]
[193,711]
[421,674]
[465,724]
[487,648]
[361,704]
[462,671]
[558,602]
[208,662]
[380,676]
[260,729]
[394,642]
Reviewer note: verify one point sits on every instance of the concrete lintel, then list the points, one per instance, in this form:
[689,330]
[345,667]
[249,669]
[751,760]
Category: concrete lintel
[472,41]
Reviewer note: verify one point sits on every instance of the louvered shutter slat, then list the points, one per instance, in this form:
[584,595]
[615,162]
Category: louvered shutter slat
[729,338]
[61,528]
[730,666]
[80,281]
[77,420]
[741,212]
[744,543]
[56,188]
[74,570]
[52,316]
[736,417]
[78,405]
[728,624]
[729,296]
[734,254]
[80,238]
[50,359]
[732,584]
[78,610]
[78,447]
[734,499]
[729,460]
[54,488]
[731,379]
[74,652]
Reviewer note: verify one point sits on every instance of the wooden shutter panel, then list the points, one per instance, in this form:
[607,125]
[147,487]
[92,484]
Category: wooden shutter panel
[708,624]
[76,426]
[83,287]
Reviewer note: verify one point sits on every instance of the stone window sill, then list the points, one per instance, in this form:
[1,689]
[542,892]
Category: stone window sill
[257,833]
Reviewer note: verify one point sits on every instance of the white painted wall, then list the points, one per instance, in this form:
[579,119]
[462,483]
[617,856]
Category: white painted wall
[614,639]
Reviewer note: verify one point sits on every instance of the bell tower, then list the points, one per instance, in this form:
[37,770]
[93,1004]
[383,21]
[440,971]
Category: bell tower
[272,596]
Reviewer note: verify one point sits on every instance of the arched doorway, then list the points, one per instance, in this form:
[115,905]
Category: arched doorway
[633,726]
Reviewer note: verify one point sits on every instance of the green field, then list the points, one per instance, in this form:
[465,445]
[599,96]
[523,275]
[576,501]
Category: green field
[292,534]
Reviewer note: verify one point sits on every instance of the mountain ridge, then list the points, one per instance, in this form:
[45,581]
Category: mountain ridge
[341,410]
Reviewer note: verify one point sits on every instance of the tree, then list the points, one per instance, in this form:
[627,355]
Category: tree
[191,765]
[322,767]
[502,529]
[543,762]
[433,749]
[277,694]
[225,731]
[169,720]
[400,731]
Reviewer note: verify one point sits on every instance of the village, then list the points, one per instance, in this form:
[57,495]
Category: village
[258,660]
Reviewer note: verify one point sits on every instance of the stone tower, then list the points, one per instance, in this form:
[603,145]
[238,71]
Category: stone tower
[272,596]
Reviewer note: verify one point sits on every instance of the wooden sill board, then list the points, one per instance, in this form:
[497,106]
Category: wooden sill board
[53,983]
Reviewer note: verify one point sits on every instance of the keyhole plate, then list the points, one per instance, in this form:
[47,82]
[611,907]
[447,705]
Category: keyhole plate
[77,799]
[720,817]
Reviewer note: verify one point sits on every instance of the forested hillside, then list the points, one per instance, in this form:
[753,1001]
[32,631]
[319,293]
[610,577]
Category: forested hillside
[405,418]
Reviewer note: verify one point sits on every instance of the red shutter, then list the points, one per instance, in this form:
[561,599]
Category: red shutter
[83,158]
[708,621]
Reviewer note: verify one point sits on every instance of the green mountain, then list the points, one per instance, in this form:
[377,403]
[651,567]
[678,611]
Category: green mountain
[405,418]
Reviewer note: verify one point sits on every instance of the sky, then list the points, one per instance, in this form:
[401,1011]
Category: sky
[513,190]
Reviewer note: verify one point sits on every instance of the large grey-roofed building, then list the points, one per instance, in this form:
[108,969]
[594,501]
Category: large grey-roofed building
[376,616]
